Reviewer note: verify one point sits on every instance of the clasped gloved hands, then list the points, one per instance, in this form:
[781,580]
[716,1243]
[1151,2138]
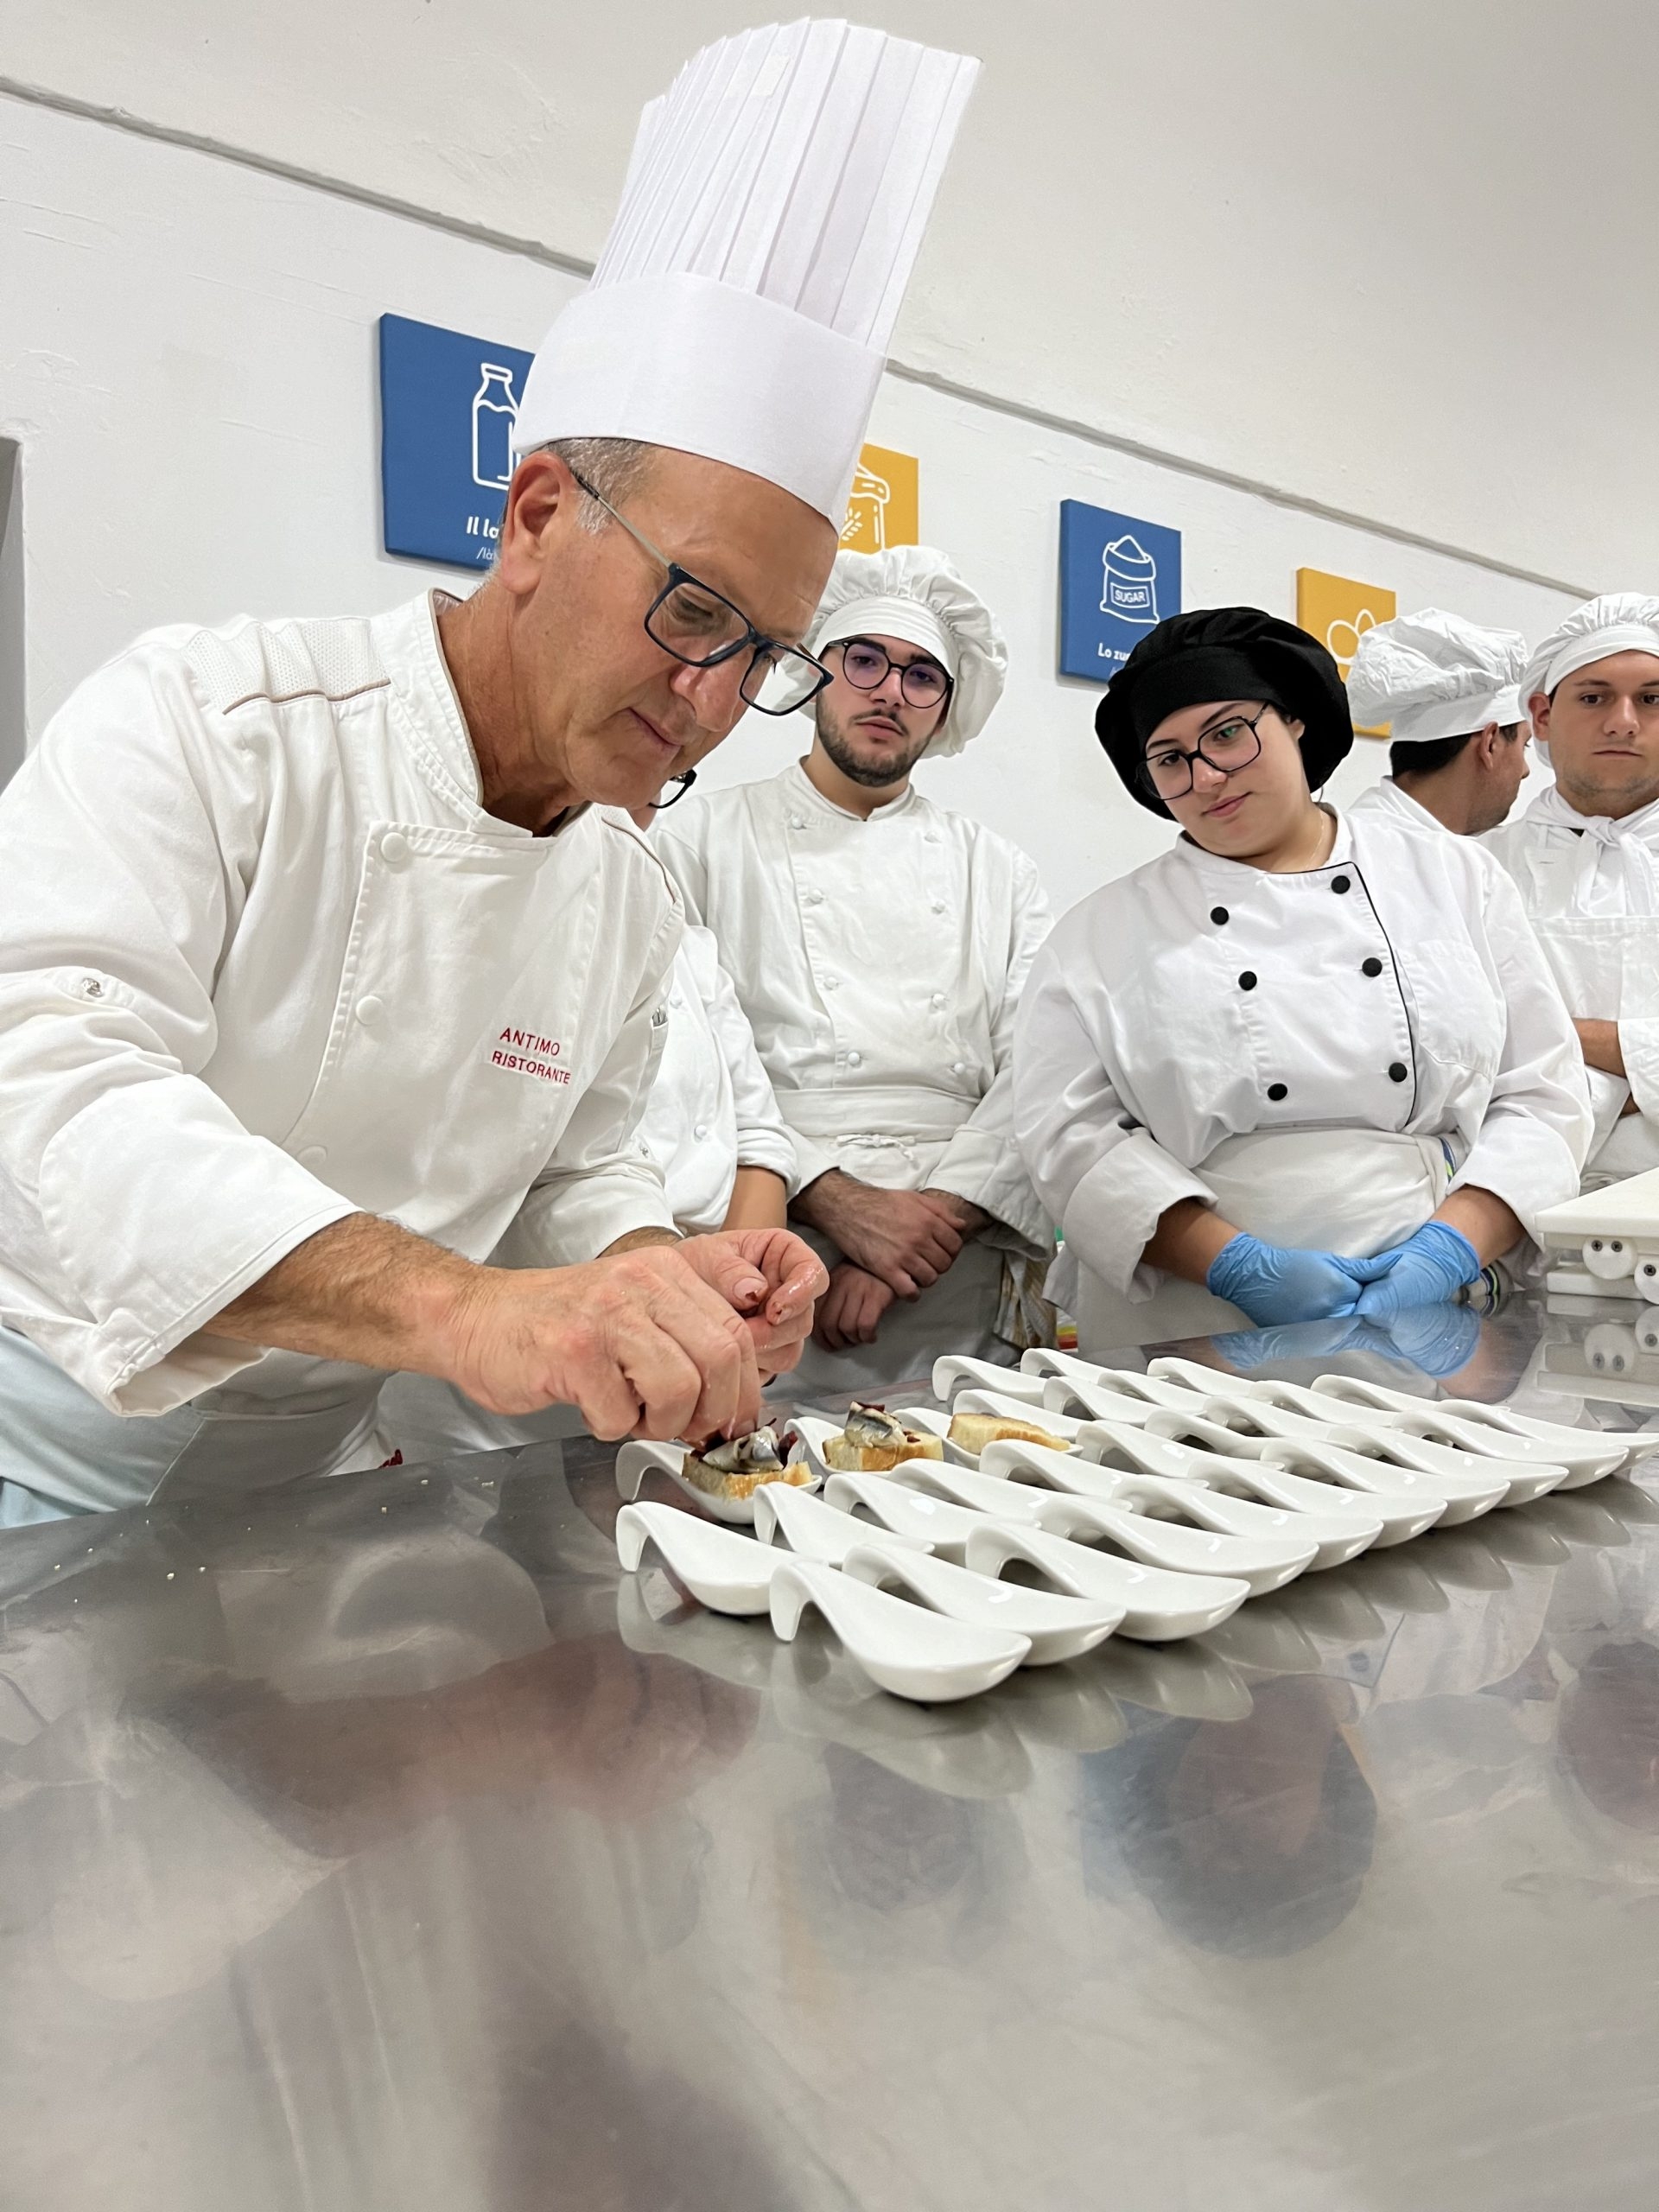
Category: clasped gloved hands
[1282,1282]
[1428,1269]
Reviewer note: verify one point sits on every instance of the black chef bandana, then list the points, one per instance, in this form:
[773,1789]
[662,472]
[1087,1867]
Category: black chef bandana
[1223,652]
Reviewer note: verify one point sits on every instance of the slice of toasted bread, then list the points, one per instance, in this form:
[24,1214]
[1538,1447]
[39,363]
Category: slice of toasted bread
[876,1459]
[745,1482]
[973,1432]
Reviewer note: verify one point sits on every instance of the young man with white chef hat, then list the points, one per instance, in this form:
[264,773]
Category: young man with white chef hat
[326,974]
[1585,857]
[1299,1066]
[880,944]
[1452,691]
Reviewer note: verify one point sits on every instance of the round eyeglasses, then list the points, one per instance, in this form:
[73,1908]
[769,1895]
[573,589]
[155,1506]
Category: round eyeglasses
[1232,745]
[702,627]
[866,665]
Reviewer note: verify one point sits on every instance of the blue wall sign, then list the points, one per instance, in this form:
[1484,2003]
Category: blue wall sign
[448,405]
[1119,575]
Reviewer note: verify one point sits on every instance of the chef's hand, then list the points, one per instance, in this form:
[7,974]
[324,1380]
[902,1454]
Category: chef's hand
[900,1235]
[662,1342]
[1428,1269]
[1283,1282]
[778,1320]
[850,1310]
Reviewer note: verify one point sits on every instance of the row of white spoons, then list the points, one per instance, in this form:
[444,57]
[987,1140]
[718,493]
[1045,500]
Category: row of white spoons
[1177,1501]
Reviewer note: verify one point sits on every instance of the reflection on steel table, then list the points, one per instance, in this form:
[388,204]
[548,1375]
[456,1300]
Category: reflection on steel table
[376,1842]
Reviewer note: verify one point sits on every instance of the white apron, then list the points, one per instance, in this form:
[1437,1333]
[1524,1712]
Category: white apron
[1354,1192]
[959,1313]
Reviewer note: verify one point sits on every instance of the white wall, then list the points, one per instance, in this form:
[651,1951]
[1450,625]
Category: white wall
[188,362]
[1387,257]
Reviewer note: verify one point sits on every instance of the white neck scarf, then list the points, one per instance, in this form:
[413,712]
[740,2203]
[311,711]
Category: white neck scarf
[1631,840]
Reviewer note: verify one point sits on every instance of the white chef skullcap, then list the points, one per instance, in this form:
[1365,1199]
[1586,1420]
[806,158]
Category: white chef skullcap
[773,212]
[1618,622]
[913,593]
[1433,675]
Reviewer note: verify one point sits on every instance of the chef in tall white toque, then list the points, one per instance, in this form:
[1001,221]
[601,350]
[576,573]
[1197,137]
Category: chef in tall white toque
[1452,691]
[1297,1067]
[879,945]
[1586,857]
[327,973]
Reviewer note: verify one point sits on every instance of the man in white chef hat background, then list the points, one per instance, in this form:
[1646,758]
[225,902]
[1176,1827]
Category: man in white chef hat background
[1585,856]
[878,944]
[1450,689]
[326,974]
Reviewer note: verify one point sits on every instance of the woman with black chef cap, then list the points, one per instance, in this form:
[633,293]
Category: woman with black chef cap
[1297,1066]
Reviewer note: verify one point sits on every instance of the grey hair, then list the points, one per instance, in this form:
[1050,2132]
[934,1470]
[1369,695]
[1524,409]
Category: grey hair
[614,467]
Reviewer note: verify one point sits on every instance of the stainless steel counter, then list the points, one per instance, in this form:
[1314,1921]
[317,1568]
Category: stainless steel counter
[374,1844]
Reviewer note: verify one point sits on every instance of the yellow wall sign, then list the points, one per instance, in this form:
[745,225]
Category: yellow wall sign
[1338,612]
[884,508]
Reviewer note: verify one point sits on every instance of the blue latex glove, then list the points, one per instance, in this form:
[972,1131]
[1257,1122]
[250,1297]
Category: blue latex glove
[1428,1269]
[1282,1282]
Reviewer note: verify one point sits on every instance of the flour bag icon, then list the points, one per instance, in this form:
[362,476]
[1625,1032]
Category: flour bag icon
[495,410]
[1131,582]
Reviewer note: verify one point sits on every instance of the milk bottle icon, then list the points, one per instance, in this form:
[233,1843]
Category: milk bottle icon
[494,412]
[1131,582]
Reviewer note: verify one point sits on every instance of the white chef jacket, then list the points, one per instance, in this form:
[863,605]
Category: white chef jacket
[880,963]
[1397,989]
[265,961]
[711,1109]
[1591,888]
[1388,799]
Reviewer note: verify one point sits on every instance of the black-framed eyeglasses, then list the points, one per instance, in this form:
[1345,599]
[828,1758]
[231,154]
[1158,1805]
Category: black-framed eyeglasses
[1232,745]
[702,627]
[866,665]
[686,778]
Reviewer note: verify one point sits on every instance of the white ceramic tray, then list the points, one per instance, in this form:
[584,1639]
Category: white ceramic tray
[957,1372]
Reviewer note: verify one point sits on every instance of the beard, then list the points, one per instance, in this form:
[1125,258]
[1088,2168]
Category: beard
[838,740]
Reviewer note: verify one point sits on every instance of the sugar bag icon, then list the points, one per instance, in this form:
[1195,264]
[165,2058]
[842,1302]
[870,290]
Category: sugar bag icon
[1131,582]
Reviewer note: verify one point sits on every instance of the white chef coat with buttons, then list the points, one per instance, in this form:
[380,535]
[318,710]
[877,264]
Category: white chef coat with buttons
[1591,888]
[711,1109]
[1397,989]
[880,962]
[265,961]
[1387,799]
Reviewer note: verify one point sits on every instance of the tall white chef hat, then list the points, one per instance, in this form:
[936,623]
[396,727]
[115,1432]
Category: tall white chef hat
[1618,622]
[773,212]
[913,593]
[1433,675]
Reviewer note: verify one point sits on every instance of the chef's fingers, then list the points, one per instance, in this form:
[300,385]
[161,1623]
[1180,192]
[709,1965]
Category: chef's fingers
[665,1380]
[901,1284]
[728,1402]
[607,1405]
[795,1293]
